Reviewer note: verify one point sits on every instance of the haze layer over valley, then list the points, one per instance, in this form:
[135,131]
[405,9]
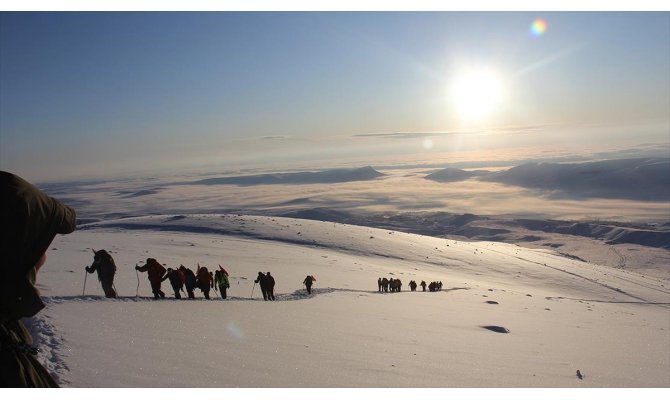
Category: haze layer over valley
[613,212]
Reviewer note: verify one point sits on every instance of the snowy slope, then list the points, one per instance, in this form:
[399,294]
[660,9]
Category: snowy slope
[562,314]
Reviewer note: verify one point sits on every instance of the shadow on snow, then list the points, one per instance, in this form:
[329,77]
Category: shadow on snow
[300,294]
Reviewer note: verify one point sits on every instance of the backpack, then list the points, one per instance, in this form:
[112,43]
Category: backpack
[221,279]
[106,266]
[155,270]
[189,278]
[203,276]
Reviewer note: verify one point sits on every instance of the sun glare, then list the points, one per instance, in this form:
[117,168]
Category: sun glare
[476,94]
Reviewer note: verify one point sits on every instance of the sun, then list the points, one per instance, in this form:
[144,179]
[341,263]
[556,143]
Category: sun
[476,95]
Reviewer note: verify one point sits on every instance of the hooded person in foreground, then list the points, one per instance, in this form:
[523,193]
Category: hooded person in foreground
[30,221]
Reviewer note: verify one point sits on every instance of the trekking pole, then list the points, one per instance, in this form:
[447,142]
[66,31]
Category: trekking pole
[252,291]
[85,276]
[137,294]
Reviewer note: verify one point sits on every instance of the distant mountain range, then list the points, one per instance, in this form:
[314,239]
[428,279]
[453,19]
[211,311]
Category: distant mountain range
[297,178]
[455,175]
[635,179]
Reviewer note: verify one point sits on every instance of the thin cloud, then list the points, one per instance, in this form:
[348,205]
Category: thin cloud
[404,135]
[496,130]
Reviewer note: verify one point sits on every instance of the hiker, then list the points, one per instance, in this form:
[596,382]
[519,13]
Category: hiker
[412,286]
[221,281]
[379,283]
[204,280]
[155,273]
[30,221]
[176,278]
[385,284]
[104,264]
[395,285]
[270,284]
[308,283]
[423,285]
[262,282]
[189,281]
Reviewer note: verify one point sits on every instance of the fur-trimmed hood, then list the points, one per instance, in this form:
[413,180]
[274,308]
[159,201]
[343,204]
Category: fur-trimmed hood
[30,221]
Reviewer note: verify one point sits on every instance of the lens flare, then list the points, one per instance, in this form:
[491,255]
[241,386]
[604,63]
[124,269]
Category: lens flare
[427,144]
[235,331]
[538,27]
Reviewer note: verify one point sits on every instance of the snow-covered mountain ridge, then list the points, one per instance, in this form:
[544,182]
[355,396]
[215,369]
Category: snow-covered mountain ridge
[470,258]
[561,314]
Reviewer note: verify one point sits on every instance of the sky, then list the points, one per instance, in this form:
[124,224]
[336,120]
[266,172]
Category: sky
[101,94]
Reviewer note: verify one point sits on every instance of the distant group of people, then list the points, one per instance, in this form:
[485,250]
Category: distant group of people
[389,285]
[395,285]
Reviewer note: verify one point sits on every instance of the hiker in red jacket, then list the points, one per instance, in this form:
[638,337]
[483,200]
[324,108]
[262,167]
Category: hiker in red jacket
[155,273]
[308,283]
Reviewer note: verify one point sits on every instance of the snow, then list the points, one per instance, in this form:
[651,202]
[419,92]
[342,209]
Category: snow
[562,314]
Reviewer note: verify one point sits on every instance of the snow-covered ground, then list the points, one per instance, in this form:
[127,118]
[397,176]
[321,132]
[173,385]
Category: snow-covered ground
[561,314]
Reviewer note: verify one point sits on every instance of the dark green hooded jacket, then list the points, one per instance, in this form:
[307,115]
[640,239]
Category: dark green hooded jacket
[29,222]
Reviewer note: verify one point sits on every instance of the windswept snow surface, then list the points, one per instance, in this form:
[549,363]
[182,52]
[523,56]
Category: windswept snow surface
[561,314]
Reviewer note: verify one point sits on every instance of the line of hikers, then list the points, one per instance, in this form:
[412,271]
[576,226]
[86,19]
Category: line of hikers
[395,285]
[267,285]
[184,277]
[205,280]
[180,278]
